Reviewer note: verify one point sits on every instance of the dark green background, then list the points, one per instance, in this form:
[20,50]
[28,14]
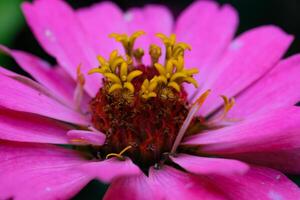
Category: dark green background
[15,34]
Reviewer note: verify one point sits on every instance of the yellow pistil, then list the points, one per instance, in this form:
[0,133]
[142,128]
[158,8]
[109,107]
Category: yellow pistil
[174,78]
[119,155]
[173,49]
[148,88]
[127,41]
[179,63]
[108,66]
[123,80]
[119,71]
[119,79]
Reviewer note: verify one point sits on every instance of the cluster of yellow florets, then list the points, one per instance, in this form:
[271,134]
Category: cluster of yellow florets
[120,71]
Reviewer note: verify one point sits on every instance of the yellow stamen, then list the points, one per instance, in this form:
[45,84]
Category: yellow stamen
[129,86]
[119,155]
[161,70]
[119,70]
[114,87]
[173,49]
[148,87]
[174,85]
[127,41]
[133,75]
[112,77]
[123,71]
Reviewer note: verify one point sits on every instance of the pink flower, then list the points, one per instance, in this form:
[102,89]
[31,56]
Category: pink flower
[236,154]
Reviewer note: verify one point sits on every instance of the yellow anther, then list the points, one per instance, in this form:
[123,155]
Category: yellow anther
[119,70]
[191,80]
[178,75]
[170,66]
[124,71]
[124,81]
[174,78]
[129,86]
[174,85]
[155,53]
[113,54]
[191,72]
[119,155]
[173,49]
[161,70]
[168,75]
[109,66]
[148,87]
[101,60]
[179,63]
[168,41]
[114,87]
[113,78]
[162,79]
[115,63]
[127,41]
[133,75]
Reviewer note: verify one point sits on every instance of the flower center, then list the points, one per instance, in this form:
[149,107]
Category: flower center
[141,108]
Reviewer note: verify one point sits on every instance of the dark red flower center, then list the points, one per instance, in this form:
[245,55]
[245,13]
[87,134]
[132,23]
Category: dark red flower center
[143,110]
[148,126]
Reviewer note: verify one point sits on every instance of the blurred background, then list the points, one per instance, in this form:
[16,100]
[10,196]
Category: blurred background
[15,34]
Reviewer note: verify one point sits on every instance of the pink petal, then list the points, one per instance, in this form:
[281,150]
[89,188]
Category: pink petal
[59,32]
[81,137]
[174,184]
[28,82]
[110,169]
[17,96]
[263,134]
[247,59]
[26,127]
[258,183]
[147,19]
[95,22]
[279,88]
[44,73]
[36,172]
[208,28]
[287,161]
[131,188]
[206,165]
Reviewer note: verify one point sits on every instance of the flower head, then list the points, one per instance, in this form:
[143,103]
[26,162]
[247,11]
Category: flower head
[151,116]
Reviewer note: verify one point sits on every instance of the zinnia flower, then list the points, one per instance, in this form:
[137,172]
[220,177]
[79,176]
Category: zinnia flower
[137,114]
